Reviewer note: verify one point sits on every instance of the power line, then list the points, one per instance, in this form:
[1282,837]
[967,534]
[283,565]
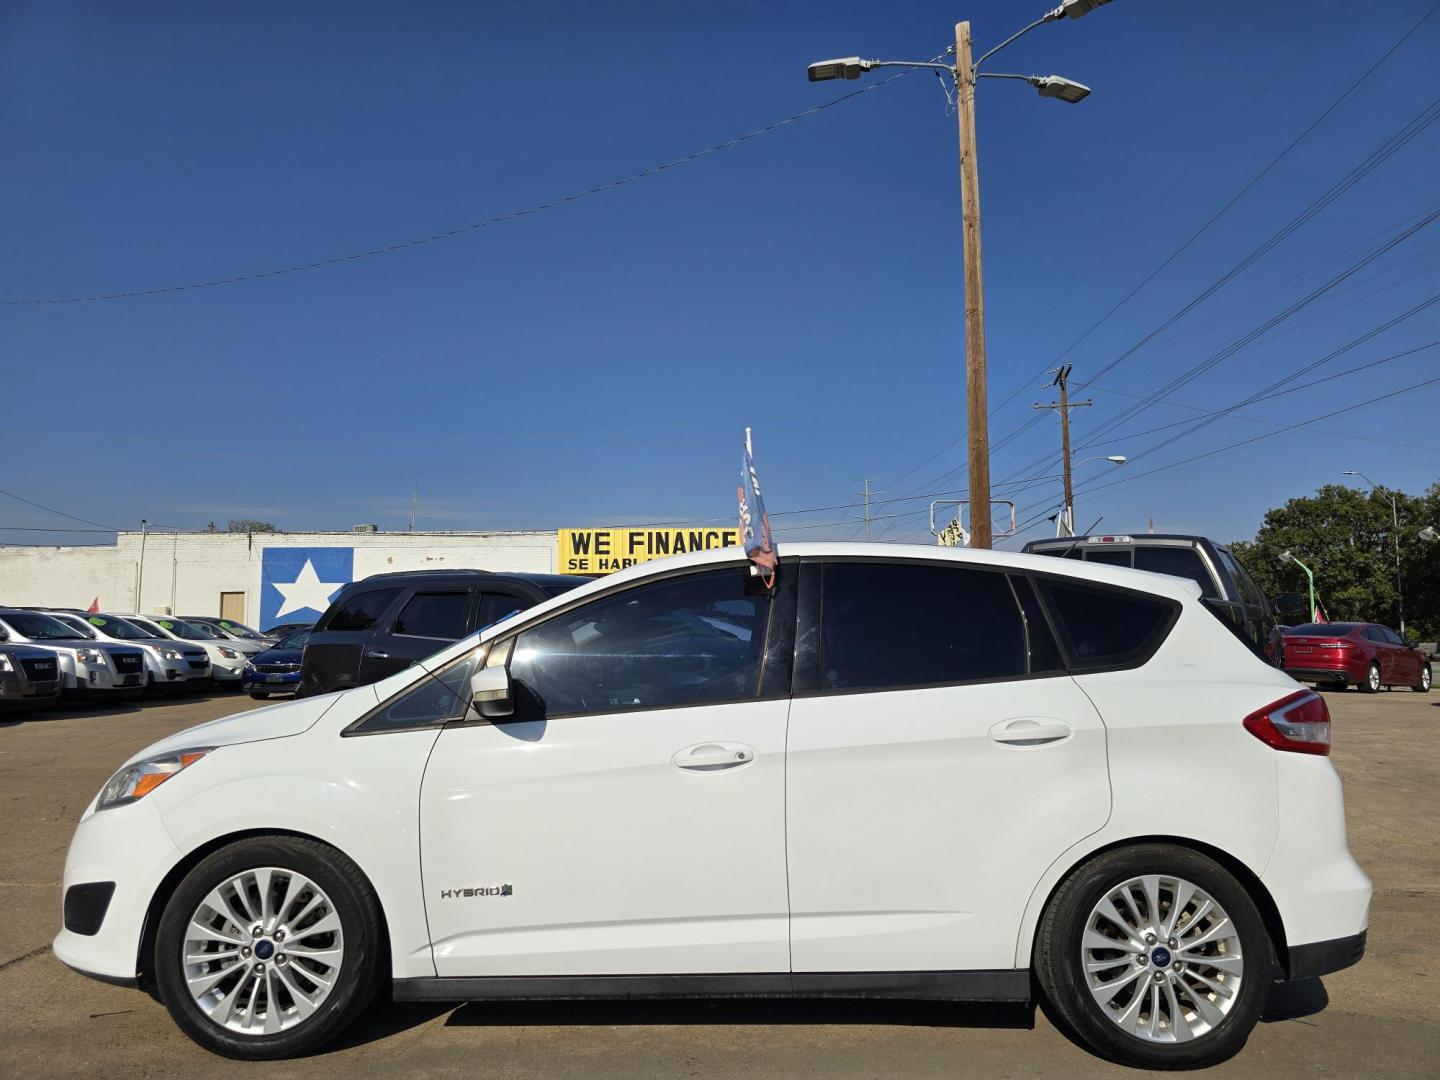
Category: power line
[52,510]
[449,234]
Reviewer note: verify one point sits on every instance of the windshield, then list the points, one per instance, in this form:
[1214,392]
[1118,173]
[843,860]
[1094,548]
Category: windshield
[182,629]
[145,625]
[119,628]
[294,640]
[239,630]
[37,627]
[71,620]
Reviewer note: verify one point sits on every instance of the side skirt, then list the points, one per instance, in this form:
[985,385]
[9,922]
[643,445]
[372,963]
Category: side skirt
[973,986]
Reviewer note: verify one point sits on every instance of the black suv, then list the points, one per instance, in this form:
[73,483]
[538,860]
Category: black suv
[1225,586]
[384,623]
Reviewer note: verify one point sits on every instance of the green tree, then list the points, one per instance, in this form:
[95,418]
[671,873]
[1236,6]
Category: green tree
[1347,538]
[246,525]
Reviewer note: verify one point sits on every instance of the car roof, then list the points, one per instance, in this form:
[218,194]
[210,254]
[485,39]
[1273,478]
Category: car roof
[402,577]
[1131,538]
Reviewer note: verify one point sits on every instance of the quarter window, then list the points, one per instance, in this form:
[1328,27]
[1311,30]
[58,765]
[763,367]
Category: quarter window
[896,625]
[436,699]
[682,641]
[362,610]
[1107,628]
[434,615]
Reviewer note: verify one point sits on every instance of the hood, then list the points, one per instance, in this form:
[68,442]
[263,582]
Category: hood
[273,722]
[279,656]
[26,652]
[244,648]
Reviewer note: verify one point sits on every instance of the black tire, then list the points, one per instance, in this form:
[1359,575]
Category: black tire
[259,697]
[1371,683]
[361,967]
[1423,686]
[1059,966]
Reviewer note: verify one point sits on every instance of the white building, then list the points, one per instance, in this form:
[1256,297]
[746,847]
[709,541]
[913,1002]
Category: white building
[255,578]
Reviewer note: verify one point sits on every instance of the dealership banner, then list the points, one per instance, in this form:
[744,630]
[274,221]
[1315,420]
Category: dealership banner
[603,551]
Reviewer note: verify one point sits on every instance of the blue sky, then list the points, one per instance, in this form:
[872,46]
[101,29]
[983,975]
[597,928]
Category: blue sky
[597,362]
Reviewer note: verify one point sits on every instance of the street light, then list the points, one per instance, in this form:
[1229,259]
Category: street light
[1395,532]
[1427,533]
[964,72]
[1065,520]
[1285,556]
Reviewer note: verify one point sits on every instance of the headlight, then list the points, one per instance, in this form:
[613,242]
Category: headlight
[90,656]
[138,780]
[5,663]
[249,666]
[172,654]
[228,654]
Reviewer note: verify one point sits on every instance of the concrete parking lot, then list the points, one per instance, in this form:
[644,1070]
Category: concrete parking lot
[1380,1019]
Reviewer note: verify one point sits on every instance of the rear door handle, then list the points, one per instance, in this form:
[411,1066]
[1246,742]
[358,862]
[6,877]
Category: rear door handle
[1030,731]
[713,757]
[378,655]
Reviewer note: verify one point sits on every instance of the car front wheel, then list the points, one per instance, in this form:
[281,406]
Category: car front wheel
[1154,956]
[269,948]
[1423,686]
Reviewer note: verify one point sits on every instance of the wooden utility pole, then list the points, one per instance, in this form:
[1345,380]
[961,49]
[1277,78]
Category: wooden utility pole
[976,407]
[1062,380]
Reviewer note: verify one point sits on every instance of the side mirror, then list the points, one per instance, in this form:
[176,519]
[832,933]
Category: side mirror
[490,692]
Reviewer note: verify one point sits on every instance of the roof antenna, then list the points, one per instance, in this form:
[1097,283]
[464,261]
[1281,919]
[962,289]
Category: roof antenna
[1066,553]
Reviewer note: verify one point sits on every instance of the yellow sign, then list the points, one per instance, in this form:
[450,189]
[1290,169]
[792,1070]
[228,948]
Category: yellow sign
[603,551]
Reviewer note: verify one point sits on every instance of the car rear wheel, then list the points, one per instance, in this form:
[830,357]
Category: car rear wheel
[1371,683]
[260,697]
[269,948]
[1423,686]
[1155,957]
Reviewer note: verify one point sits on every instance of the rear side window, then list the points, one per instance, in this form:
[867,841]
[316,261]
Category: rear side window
[434,615]
[1044,652]
[1107,628]
[890,626]
[1178,562]
[361,611]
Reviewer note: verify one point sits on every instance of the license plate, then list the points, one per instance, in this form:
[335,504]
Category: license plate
[130,680]
[1302,648]
[274,678]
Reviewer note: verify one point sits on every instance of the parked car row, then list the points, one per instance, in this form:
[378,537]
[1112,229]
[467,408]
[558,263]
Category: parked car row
[50,653]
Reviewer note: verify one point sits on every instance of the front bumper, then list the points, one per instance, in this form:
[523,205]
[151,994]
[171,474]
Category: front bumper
[16,690]
[181,673]
[283,682]
[97,679]
[129,846]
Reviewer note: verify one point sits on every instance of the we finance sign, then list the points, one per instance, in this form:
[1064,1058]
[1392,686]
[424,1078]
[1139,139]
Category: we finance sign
[603,551]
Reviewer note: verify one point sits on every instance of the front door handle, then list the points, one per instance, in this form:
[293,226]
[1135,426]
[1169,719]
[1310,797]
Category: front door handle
[713,757]
[378,655]
[1030,731]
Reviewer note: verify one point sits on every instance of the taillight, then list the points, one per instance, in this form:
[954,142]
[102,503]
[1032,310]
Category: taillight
[1335,645]
[1299,723]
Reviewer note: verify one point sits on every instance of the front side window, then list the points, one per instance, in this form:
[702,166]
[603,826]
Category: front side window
[682,641]
[1107,628]
[894,625]
[434,615]
[438,698]
[361,610]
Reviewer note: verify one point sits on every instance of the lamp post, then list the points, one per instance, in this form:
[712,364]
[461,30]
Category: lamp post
[1395,532]
[1309,575]
[965,73]
[1428,534]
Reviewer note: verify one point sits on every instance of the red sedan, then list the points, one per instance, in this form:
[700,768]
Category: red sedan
[1366,654]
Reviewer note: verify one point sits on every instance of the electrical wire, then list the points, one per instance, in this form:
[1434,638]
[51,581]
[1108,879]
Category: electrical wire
[461,230]
[52,510]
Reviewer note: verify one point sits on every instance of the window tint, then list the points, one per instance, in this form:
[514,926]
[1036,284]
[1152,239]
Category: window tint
[891,625]
[434,615]
[360,611]
[1109,556]
[1334,629]
[435,699]
[1392,637]
[1044,653]
[1178,562]
[680,641]
[1374,633]
[497,606]
[1245,589]
[1104,627]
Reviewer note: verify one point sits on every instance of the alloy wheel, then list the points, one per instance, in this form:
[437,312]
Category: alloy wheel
[262,951]
[1162,959]
[1373,677]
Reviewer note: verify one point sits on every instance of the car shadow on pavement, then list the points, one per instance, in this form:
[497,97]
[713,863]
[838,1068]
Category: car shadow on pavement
[69,710]
[758,1012]
[1295,1000]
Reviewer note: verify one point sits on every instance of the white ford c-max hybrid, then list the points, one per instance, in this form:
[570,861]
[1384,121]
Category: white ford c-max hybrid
[908,772]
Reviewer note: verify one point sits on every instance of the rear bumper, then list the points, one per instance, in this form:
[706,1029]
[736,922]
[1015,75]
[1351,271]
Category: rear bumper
[1341,676]
[1323,957]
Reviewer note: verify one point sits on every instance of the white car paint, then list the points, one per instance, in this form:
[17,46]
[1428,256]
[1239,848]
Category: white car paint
[227,655]
[867,832]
